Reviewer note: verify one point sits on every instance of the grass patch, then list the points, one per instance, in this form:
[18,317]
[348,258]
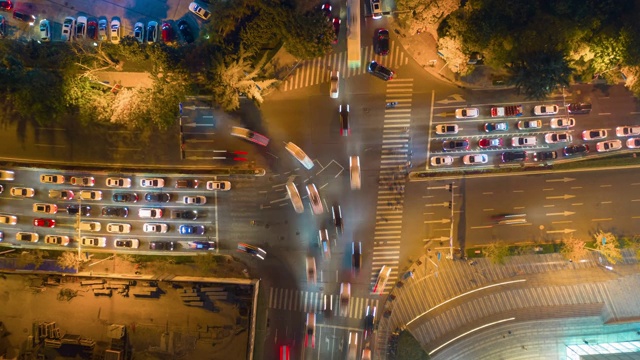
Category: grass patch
[409,348]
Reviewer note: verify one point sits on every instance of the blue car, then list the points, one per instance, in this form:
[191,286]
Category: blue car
[191,229]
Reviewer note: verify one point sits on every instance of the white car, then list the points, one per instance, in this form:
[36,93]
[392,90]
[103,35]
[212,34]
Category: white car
[294,196]
[126,243]
[115,31]
[45,30]
[529,124]
[81,28]
[91,195]
[138,32]
[7,175]
[334,89]
[45,208]
[381,281]
[608,145]
[93,226]
[352,352]
[56,240]
[446,129]
[83,180]
[118,182]
[300,155]
[22,192]
[150,213]
[311,270]
[93,241]
[152,183]
[194,200]
[199,11]
[557,123]
[595,134]
[68,27]
[102,29]
[376,9]
[628,130]
[552,138]
[441,160]
[219,185]
[467,113]
[155,228]
[546,109]
[524,141]
[27,236]
[52,179]
[119,228]
[633,143]
[354,172]
[249,135]
[314,198]
[474,159]
[8,219]
[345,297]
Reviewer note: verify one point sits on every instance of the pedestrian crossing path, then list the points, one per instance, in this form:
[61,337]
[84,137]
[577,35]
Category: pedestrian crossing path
[318,70]
[394,166]
[312,301]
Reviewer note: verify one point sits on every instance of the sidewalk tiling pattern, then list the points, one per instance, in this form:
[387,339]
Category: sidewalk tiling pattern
[394,162]
[311,301]
[318,70]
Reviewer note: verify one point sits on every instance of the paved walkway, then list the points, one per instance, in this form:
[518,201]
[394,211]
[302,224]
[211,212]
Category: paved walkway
[446,302]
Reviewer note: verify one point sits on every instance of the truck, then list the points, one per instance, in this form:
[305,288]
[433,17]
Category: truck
[502,111]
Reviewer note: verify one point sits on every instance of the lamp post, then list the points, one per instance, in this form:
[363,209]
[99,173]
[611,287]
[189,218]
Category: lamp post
[451,227]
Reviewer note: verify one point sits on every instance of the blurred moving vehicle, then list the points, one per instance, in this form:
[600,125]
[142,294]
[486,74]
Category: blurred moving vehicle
[354,172]
[252,250]
[249,135]
[369,320]
[381,281]
[311,270]
[345,298]
[202,245]
[299,155]
[324,243]
[336,212]
[294,196]
[334,88]
[314,199]
[356,256]
[310,330]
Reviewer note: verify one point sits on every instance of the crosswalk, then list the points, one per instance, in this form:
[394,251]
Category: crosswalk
[396,157]
[312,301]
[318,70]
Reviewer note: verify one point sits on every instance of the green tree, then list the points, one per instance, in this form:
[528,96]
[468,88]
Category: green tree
[238,76]
[538,74]
[308,35]
[496,252]
[607,244]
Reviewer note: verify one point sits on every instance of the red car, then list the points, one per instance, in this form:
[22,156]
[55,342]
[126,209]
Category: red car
[485,143]
[336,28]
[6,5]
[167,32]
[44,222]
[92,30]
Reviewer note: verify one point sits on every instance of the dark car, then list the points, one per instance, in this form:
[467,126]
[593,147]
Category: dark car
[575,150]
[326,9]
[369,319]
[382,42]
[6,5]
[380,71]
[511,156]
[92,30]
[163,245]
[191,229]
[356,255]
[125,197]
[74,209]
[450,145]
[345,130]
[201,245]
[167,32]
[185,31]
[115,211]
[31,19]
[184,214]
[544,155]
[336,29]
[157,197]
[337,218]
[187,184]
[579,108]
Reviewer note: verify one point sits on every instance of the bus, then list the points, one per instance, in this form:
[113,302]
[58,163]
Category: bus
[353,33]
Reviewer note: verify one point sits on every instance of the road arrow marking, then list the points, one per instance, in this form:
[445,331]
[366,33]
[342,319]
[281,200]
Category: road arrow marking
[451,99]
[565,231]
[566,213]
[560,180]
[565,197]
[441,221]
[441,238]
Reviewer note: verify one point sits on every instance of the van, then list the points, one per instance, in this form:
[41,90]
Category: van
[90,226]
[294,195]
